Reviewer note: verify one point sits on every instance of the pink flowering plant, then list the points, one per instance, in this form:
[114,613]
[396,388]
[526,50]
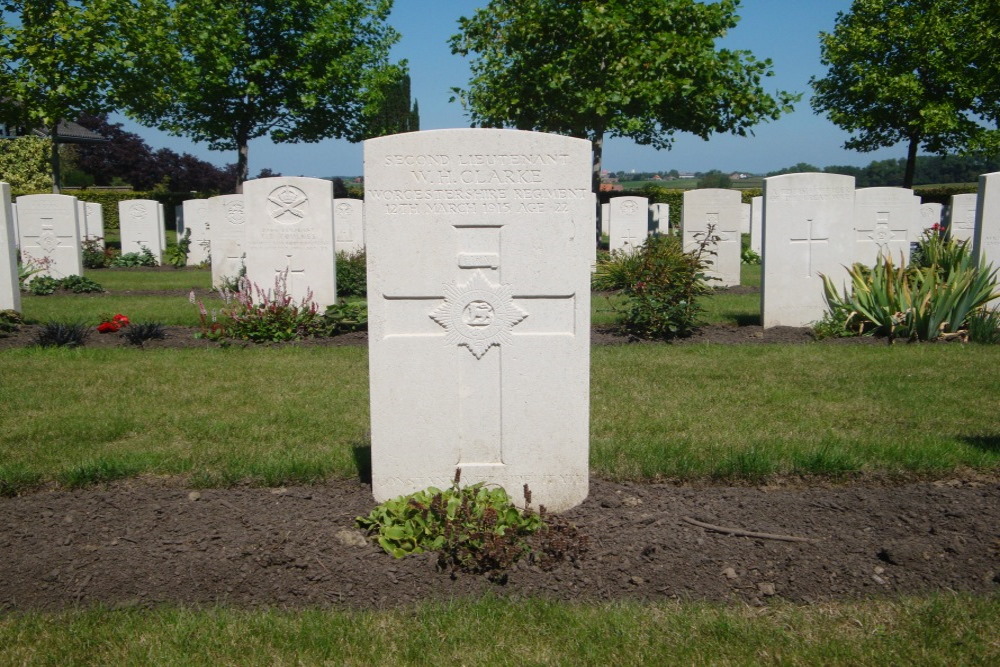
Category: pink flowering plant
[261,316]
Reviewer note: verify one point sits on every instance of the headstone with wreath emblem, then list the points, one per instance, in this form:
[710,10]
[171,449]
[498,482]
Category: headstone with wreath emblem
[629,223]
[10,293]
[141,225]
[348,225]
[50,234]
[711,216]
[227,219]
[479,245]
[289,237]
[196,216]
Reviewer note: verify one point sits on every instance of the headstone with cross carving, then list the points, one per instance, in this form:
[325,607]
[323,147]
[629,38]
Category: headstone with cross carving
[50,234]
[348,225]
[629,223]
[716,212]
[141,225]
[226,235]
[807,231]
[94,215]
[659,215]
[884,224]
[479,244]
[290,236]
[10,292]
[986,241]
[196,220]
[756,220]
[962,217]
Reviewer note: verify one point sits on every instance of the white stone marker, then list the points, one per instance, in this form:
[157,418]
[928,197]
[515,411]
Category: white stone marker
[17,228]
[95,221]
[226,235]
[290,231]
[479,311]
[50,231]
[884,220]
[605,219]
[195,213]
[807,231]
[986,242]
[719,209]
[756,223]
[141,226]
[930,215]
[962,217]
[10,291]
[161,212]
[349,225]
[746,212]
[629,223]
[659,218]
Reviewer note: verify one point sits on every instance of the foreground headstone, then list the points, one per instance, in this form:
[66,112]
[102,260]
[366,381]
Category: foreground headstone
[95,222]
[756,223]
[349,225]
[807,231]
[884,223]
[962,217]
[290,233]
[226,235]
[717,212]
[195,213]
[10,292]
[986,242]
[50,234]
[479,311]
[140,222]
[629,223]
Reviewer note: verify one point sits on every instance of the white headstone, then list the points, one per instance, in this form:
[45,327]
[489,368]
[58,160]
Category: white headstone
[290,233]
[17,228]
[745,213]
[95,222]
[962,217]
[10,292]
[162,213]
[884,220]
[349,225]
[930,215]
[719,210]
[807,231]
[629,223]
[81,219]
[141,226]
[479,311]
[605,219]
[50,232]
[756,223]
[660,218]
[986,242]
[195,213]
[226,234]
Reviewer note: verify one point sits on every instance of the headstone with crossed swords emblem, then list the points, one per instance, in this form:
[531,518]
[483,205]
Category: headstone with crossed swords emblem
[479,245]
[807,231]
[290,233]
[141,225]
[50,232]
[719,209]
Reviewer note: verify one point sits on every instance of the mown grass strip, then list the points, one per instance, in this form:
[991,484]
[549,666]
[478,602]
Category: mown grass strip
[940,629]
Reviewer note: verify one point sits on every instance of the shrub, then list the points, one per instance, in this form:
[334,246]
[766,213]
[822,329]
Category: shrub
[984,327]
[663,300]
[80,285]
[43,285]
[133,259]
[352,274]
[61,334]
[344,318]
[748,256]
[138,333]
[10,322]
[616,270]
[94,256]
[177,255]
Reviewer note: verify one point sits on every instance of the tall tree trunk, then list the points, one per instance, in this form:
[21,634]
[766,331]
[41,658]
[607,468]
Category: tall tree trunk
[54,159]
[911,162]
[597,140]
[242,164]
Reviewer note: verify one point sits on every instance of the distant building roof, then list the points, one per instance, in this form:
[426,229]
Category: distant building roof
[71,133]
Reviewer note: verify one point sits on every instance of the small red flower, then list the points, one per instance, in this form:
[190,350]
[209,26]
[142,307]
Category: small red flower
[120,319]
[108,327]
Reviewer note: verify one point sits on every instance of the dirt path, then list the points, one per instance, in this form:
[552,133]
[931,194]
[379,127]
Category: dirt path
[145,542]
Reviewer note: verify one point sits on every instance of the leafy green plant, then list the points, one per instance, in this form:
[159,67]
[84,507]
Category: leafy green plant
[134,259]
[30,266]
[79,285]
[62,334]
[662,302]
[473,528]
[138,333]
[345,317]
[95,256]
[984,326]
[940,251]
[616,270]
[43,285]
[10,322]
[748,256]
[352,274]
[177,255]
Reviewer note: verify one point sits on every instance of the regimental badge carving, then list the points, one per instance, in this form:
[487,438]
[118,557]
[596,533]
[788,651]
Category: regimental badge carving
[287,204]
[344,208]
[137,211]
[630,207]
[478,314]
[48,241]
[235,214]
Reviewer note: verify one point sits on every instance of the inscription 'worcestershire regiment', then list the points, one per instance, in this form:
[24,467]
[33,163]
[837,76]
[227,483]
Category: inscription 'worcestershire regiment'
[479,307]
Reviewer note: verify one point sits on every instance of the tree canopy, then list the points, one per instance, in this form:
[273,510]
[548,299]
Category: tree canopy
[229,71]
[922,72]
[642,69]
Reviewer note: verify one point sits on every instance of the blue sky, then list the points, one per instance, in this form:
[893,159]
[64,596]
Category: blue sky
[786,31]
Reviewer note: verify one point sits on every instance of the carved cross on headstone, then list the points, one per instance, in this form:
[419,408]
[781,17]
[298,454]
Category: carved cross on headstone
[292,277]
[629,240]
[882,233]
[812,237]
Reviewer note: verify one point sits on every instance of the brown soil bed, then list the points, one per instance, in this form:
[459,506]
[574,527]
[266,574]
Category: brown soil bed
[146,542]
